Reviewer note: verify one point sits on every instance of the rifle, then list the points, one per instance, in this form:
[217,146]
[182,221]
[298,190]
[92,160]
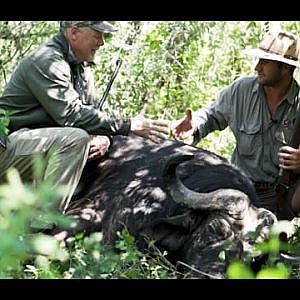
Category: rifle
[285,176]
[114,74]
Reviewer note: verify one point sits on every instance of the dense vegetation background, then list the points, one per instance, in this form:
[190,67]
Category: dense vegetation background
[167,67]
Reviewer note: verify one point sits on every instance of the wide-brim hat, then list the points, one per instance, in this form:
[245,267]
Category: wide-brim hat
[102,26]
[282,47]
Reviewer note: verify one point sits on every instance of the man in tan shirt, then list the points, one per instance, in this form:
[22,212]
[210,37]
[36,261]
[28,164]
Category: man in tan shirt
[260,110]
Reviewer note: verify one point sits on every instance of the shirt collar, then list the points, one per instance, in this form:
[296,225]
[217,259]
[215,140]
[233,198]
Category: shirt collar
[68,53]
[290,97]
[294,90]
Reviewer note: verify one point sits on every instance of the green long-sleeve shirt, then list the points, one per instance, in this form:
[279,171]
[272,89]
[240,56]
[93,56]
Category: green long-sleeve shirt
[242,106]
[41,93]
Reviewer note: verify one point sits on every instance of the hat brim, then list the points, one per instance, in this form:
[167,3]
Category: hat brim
[270,56]
[104,27]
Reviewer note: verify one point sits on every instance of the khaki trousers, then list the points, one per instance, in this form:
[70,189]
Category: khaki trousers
[64,148]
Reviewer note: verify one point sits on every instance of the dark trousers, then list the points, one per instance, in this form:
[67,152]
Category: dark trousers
[267,198]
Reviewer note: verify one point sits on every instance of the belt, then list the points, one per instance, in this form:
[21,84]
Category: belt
[264,187]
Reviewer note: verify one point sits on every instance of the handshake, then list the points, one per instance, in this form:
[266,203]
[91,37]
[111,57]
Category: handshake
[156,130]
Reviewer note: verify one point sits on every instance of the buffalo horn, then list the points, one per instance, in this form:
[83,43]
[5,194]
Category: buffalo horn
[231,200]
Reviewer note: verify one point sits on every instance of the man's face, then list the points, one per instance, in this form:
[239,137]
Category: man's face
[85,42]
[270,72]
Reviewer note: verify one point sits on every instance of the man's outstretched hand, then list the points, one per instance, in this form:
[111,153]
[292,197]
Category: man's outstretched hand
[154,130]
[183,128]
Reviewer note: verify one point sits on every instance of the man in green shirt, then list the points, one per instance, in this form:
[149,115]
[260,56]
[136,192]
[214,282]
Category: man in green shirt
[260,110]
[53,97]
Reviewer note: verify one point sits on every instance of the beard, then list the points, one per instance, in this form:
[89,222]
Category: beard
[271,81]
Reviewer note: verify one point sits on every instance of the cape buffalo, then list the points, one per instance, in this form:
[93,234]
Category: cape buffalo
[191,202]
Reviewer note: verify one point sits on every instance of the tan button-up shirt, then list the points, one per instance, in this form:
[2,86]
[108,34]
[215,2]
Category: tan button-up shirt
[242,106]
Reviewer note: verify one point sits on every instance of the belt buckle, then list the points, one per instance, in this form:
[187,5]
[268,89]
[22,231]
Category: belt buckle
[263,187]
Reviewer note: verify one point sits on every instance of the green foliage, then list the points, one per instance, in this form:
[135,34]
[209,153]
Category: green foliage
[84,257]
[17,38]
[237,270]
[167,67]
[175,61]
[282,256]
[4,122]
[20,207]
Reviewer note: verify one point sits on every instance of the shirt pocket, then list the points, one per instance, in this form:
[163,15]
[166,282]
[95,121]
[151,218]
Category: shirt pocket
[249,138]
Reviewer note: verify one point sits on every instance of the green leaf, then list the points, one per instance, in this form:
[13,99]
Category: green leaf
[237,270]
[278,272]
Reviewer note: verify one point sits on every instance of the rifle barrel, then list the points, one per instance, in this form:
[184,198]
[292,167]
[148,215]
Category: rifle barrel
[110,83]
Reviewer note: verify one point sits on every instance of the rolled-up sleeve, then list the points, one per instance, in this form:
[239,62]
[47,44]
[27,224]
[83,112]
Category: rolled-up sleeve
[216,116]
